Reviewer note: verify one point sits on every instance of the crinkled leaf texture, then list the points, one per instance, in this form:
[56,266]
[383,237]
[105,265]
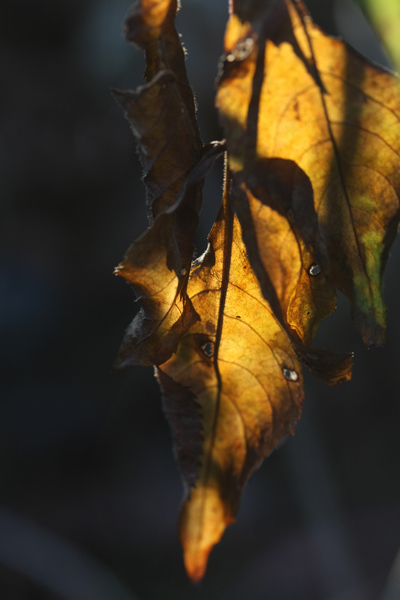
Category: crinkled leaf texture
[310,206]
[162,117]
[238,366]
[313,138]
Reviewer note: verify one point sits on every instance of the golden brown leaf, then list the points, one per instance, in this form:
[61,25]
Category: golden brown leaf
[162,112]
[165,312]
[292,96]
[151,265]
[280,239]
[218,330]
[162,117]
[239,372]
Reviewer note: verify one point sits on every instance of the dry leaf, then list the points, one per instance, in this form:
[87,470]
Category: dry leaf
[236,371]
[291,96]
[162,117]
[311,204]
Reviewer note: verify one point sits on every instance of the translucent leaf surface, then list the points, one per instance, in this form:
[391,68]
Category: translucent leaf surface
[162,118]
[238,366]
[292,96]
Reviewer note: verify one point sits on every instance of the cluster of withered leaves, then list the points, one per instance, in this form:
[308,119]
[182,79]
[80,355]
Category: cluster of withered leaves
[310,205]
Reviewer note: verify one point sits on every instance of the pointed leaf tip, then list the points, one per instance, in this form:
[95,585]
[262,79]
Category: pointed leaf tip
[238,363]
[204,518]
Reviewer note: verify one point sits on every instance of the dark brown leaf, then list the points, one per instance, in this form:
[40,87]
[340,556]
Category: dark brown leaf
[162,118]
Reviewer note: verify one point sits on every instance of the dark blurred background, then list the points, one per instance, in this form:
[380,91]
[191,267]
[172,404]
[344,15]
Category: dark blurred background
[89,491]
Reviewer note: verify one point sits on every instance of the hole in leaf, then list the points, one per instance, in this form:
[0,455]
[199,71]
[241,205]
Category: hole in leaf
[242,50]
[314,270]
[208,349]
[289,374]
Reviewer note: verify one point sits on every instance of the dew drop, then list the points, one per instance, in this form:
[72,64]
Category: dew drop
[314,270]
[290,375]
[183,272]
[238,317]
[208,349]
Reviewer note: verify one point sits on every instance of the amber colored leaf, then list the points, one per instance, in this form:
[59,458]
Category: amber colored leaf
[165,312]
[305,115]
[281,241]
[234,383]
[162,118]
[151,266]
[162,112]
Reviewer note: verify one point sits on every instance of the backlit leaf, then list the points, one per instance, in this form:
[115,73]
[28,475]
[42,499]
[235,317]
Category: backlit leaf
[162,118]
[239,372]
[311,205]
[294,98]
